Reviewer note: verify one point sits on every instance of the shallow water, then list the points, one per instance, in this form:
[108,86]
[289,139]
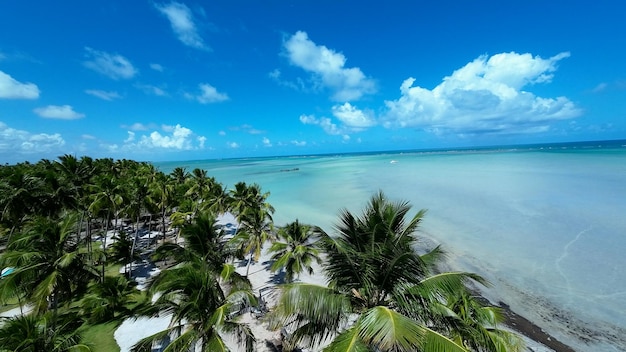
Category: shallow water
[545,226]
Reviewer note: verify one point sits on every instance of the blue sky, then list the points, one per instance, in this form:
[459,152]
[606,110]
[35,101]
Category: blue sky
[160,80]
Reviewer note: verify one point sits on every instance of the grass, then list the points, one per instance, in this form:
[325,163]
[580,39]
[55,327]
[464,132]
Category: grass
[100,337]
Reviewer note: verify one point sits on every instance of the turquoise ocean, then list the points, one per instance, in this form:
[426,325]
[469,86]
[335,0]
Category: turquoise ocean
[546,224]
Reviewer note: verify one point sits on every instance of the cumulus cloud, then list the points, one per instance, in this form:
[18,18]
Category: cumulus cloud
[14,141]
[484,96]
[208,94]
[353,117]
[13,89]
[327,68]
[174,137]
[201,141]
[352,120]
[298,143]
[114,66]
[324,122]
[62,112]
[233,145]
[267,142]
[104,95]
[183,24]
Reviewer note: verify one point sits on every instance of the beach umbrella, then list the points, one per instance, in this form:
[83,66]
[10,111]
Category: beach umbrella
[6,271]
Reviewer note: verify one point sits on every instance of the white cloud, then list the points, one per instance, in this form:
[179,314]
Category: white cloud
[12,89]
[175,137]
[201,141]
[151,90]
[104,95]
[182,22]
[156,67]
[352,120]
[130,138]
[208,94]
[233,145]
[88,136]
[353,117]
[62,112]
[327,67]
[267,142]
[14,141]
[324,122]
[298,143]
[114,66]
[222,133]
[484,96]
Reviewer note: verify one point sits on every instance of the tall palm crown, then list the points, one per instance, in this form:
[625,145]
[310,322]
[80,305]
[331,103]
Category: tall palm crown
[380,293]
[201,309]
[295,251]
[49,262]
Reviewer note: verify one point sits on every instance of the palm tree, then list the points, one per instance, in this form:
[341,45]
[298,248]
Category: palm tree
[476,326]
[121,251]
[32,333]
[163,195]
[296,252]
[199,189]
[379,288]
[256,229]
[49,263]
[19,191]
[201,309]
[109,300]
[106,200]
[254,218]
[203,241]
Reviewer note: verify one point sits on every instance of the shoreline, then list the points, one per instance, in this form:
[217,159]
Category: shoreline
[527,328]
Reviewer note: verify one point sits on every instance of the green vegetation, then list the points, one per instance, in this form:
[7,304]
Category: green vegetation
[57,221]
[99,337]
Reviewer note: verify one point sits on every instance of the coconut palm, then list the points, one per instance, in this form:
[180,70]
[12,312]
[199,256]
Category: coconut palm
[49,264]
[163,194]
[379,287]
[31,333]
[203,241]
[19,190]
[476,326]
[121,251]
[295,250]
[202,305]
[106,201]
[256,228]
[109,299]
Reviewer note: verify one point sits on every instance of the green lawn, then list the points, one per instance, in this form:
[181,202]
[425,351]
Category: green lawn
[100,337]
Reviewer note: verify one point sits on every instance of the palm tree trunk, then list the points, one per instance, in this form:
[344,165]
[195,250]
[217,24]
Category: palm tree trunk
[104,245]
[163,221]
[249,262]
[132,249]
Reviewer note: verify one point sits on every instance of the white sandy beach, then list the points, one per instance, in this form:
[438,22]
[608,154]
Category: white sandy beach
[264,285]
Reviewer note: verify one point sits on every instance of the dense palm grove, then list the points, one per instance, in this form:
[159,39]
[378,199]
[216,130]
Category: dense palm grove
[60,271]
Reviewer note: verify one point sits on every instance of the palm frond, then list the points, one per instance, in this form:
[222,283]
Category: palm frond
[347,341]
